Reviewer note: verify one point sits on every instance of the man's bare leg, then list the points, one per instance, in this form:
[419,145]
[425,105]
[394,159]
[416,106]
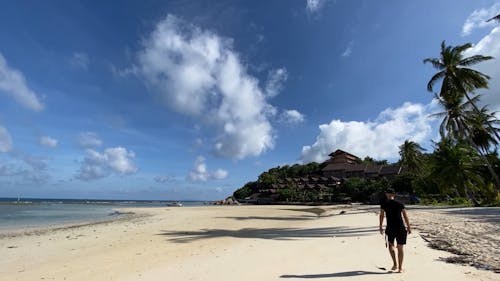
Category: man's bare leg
[393,256]
[400,257]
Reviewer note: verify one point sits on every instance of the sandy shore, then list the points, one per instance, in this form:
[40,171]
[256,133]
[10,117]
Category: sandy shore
[473,234]
[233,243]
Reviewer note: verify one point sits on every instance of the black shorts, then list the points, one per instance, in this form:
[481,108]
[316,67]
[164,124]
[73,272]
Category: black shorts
[398,234]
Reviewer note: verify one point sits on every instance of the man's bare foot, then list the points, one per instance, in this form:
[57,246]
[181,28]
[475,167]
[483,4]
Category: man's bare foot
[400,270]
[394,267]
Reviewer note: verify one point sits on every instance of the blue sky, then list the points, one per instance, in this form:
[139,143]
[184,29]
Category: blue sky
[192,99]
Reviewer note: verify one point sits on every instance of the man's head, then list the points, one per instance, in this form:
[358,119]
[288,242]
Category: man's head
[390,193]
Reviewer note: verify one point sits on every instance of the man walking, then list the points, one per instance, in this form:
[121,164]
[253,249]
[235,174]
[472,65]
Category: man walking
[395,229]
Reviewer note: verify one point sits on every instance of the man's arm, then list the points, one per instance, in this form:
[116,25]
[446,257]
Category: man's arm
[381,221]
[407,221]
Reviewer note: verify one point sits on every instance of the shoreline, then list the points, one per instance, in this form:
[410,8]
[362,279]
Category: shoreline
[116,216]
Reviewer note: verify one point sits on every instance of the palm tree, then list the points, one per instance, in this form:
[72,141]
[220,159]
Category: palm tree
[411,156]
[480,131]
[455,168]
[458,82]
[455,124]
[458,79]
[461,123]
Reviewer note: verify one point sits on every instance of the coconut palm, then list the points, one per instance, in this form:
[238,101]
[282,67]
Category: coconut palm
[455,124]
[461,123]
[411,156]
[484,127]
[458,82]
[455,167]
[458,79]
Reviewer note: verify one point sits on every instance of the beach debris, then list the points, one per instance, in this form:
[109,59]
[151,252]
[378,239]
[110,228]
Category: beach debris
[12,247]
[342,212]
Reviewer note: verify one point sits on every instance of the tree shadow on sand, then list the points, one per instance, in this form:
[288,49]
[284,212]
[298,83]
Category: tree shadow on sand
[268,233]
[337,274]
[484,214]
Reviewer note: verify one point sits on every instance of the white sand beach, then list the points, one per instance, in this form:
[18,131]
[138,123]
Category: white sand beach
[239,243]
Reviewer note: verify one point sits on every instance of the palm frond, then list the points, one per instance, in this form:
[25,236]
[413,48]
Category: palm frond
[462,48]
[474,60]
[434,79]
[435,62]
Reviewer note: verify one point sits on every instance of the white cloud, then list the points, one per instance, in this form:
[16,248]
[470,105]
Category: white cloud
[291,117]
[276,79]
[48,141]
[120,160]
[199,74]
[313,6]
[25,168]
[5,140]
[489,46]
[13,83]
[201,173]
[113,160]
[347,52]
[479,17]
[220,174]
[379,139]
[88,140]
[80,60]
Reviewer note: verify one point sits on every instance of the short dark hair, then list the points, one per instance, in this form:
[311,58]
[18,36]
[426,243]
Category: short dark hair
[390,190]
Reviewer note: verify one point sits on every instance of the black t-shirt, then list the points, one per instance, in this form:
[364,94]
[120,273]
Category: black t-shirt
[393,209]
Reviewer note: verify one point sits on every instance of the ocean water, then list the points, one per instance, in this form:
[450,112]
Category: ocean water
[34,213]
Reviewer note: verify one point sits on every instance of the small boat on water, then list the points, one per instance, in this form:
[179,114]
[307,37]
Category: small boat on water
[175,204]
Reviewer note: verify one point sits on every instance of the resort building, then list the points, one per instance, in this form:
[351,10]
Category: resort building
[345,165]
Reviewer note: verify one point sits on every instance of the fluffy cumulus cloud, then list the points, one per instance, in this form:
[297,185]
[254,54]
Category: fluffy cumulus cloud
[199,74]
[379,138]
[47,141]
[200,172]
[276,79]
[13,83]
[313,6]
[88,140]
[5,140]
[489,46]
[479,18]
[291,117]
[113,160]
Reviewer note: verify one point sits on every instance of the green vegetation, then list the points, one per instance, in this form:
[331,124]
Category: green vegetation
[462,169]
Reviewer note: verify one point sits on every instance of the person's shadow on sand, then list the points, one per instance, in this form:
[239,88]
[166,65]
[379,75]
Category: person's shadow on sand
[338,274]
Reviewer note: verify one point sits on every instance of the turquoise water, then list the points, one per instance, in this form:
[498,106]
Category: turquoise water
[34,213]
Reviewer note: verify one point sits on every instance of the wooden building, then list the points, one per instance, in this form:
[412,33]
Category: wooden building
[345,165]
